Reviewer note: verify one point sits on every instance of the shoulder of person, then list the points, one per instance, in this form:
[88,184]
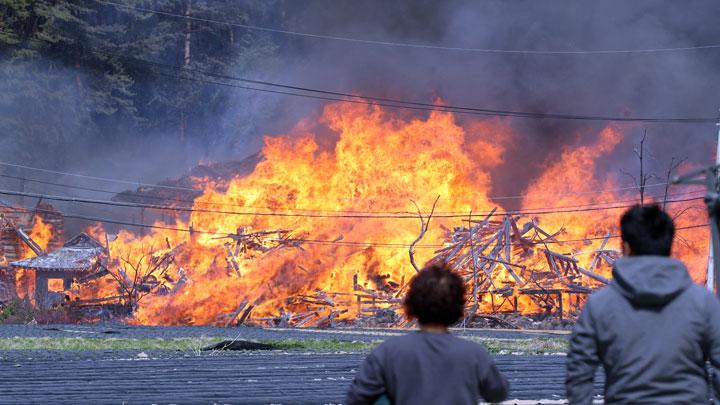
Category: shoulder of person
[603,296]
[600,302]
[703,297]
[394,342]
[471,346]
[700,291]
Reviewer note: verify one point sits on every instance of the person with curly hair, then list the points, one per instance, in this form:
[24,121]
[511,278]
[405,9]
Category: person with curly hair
[430,366]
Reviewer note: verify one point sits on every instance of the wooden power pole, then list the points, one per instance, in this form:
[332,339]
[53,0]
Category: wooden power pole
[710,283]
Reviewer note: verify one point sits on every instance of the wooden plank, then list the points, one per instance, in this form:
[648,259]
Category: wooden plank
[236,313]
[593,275]
[597,252]
[232,259]
[245,315]
[29,242]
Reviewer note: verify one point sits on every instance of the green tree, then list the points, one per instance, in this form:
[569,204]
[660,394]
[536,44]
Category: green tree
[83,70]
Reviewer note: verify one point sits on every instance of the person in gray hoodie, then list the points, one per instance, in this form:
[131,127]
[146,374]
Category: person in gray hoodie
[652,329]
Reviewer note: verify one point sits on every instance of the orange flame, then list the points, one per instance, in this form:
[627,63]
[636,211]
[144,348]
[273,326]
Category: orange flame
[41,233]
[380,163]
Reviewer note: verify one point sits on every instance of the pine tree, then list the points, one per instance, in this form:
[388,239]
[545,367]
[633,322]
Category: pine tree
[82,70]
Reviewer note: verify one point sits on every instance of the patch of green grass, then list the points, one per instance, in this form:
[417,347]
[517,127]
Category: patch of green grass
[60,343]
[333,345]
[534,346]
[183,344]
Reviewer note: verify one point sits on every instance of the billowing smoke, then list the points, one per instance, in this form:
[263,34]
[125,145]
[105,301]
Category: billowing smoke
[649,84]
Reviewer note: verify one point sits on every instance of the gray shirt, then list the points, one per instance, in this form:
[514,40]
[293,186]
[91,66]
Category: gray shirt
[428,368]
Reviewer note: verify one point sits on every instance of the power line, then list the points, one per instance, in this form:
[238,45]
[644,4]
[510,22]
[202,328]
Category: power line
[50,183]
[398,245]
[320,241]
[196,202]
[135,183]
[416,45]
[193,202]
[398,103]
[318,215]
[327,95]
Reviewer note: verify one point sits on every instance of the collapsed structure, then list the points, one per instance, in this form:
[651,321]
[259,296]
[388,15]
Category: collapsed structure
[79,258]
[16,226]
[507,268]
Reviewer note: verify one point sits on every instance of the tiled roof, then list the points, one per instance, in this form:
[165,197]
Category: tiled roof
[80,254]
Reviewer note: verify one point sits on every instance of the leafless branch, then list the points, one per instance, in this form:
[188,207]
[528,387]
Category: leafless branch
[642,179]
[674,164]
[138,276]
[686,209]
[424,224]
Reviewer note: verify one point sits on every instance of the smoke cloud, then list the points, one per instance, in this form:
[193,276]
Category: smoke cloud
[676,84]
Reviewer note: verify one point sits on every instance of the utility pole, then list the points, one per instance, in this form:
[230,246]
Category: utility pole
[710,177]
[186,63]
[710,284]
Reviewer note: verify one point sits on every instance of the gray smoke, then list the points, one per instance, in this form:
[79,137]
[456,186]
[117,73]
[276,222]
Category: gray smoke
[675,84]
[671,84]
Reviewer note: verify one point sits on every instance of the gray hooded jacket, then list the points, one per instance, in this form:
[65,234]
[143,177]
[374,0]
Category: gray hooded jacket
[652,330]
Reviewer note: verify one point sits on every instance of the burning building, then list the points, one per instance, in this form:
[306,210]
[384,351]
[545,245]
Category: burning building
[321,232]
[314,232]
[25,233]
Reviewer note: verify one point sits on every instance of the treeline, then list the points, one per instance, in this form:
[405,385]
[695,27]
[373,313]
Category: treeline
[76,71]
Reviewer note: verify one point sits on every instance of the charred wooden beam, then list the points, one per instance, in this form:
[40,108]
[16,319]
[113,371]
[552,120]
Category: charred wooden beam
[29,242]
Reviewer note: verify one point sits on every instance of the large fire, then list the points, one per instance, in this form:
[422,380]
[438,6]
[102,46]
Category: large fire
[347,202]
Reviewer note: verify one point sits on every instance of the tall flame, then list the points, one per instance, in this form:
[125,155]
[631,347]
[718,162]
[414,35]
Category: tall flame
[380,163]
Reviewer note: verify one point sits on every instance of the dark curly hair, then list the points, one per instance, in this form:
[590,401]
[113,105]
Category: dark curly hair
[436,296]
[648,230]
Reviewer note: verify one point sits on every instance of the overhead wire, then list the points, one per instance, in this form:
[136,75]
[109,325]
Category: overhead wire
[402,104]
[135,183]
[399,102]
[400,215]
[327,95]
[413,45]
[196,201]
[315,241]
[530,210]
[265,83]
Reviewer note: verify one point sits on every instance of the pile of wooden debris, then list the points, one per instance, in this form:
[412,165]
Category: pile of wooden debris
[514,279]
[516,274]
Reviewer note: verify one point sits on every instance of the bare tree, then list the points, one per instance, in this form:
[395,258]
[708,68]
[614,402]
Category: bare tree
[137,277]
[674,164]
[424,224]
[642,179]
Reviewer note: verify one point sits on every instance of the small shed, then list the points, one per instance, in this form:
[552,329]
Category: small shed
[79,257]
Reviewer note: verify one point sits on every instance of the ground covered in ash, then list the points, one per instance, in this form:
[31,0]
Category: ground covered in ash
[72,364]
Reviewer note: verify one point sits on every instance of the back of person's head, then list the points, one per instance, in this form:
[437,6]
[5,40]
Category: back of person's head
[436,296]
[647,230]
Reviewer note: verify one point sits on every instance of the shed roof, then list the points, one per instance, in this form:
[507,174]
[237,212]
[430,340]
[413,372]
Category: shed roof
[80,254]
